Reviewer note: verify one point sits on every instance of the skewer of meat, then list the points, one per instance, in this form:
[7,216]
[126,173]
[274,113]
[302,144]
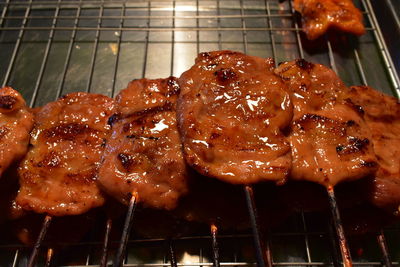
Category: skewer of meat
[16,121]
[320,16]
[382,117]
[329,138]
[57,175]
[143,161]
[232,111]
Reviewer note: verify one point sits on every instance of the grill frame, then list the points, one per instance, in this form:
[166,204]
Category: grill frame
[271,15]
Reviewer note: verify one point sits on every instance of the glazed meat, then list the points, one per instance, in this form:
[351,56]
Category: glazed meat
[57,176]
[320,15]
[231,113]
[16,121]
[144,154]
[329,138]
[382,114]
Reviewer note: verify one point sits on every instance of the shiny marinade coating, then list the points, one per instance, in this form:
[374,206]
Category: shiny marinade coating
[320,15]
[329,138]
[58,174]
[231,113]
[16,121]
[382,114]
[144,154]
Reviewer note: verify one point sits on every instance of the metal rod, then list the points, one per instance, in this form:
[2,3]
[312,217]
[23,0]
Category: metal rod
[288,15]
[153,29]
[104,256]
[384,248]
[244,33]
[215,247]
[146,47]
[172,256]
[344,247]
[298,29]
[172,41]
[263,254]
[119,260]
[383,48]
[121,24]
[70,46]
[49,257]
[17,44]
[45,57]
[42,234]
[95,46]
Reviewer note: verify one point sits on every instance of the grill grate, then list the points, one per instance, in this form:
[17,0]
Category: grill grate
[50,48]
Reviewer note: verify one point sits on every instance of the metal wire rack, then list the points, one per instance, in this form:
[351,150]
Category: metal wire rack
[50,48]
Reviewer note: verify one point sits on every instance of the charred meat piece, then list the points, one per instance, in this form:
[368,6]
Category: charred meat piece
[382,114]
[320,15]
[16,121]
[143,154]
[58,174]
[231,114]
[329,138]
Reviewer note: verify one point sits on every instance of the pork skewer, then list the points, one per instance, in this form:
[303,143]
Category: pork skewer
[320,16]
[16,121]
[143,161]
[58,172]
[232,112]
[329,137]
[382,117]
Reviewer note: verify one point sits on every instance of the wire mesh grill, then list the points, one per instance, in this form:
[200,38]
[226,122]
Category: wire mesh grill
[50,48]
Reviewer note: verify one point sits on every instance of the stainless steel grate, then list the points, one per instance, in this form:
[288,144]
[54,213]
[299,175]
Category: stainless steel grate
[50,48]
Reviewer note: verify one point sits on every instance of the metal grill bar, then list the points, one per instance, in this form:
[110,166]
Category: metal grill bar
[173,40]
[296,26]
[45,57]
[154,17]
[383,48]
[121,24]
[156,29]
[4,12]
[71,43]
[95,46]
[17,44]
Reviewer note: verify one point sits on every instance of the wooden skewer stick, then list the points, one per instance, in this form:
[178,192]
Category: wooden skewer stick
[215,248]
[263,255]
[384,248]
[38,244]
[344,247]
[104,257]
[119,259]
[49,257]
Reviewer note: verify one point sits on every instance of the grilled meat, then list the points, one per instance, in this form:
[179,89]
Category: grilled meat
[231,113]
[320,15]
[16,121]
[144,154]
[57,176]
[382,116]
[329,138]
